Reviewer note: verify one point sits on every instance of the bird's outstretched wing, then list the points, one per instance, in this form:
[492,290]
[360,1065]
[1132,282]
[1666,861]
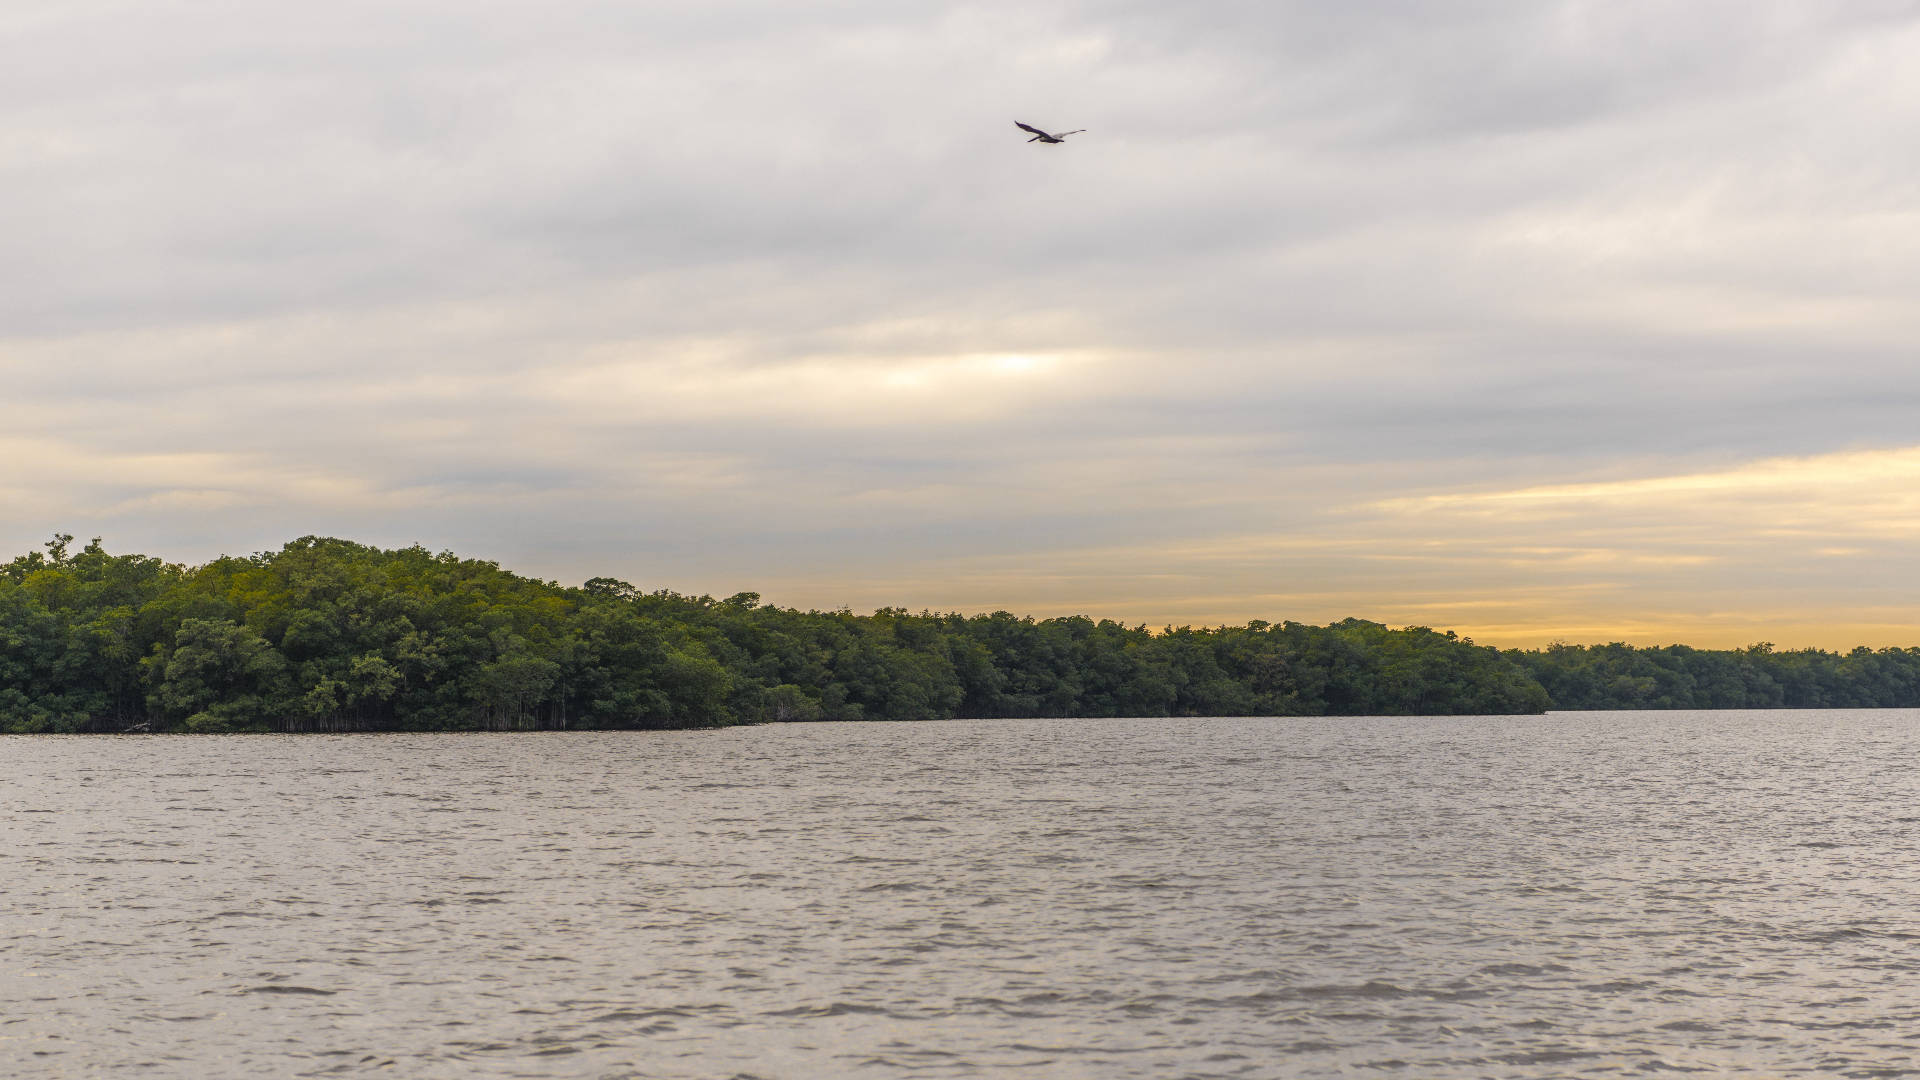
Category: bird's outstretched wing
[1026,127]
[1064,134]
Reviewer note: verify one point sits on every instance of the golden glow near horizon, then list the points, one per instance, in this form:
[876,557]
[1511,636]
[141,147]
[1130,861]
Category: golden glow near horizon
[1649,560]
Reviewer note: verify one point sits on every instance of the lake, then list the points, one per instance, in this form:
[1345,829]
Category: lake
[1579,894]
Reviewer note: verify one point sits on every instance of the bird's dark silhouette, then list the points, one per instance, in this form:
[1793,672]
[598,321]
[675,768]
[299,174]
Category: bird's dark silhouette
[1043,137]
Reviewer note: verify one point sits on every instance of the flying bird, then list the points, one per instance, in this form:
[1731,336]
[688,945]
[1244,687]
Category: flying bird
[1041,136]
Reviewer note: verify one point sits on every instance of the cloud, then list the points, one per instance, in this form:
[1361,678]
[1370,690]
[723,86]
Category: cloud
[1870,490]
[741,293]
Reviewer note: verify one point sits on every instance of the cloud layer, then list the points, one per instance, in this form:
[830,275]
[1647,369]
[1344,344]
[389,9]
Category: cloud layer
[1572,319]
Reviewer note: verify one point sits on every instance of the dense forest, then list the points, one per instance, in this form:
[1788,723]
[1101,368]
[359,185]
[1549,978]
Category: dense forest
[330,635]
[1757,677]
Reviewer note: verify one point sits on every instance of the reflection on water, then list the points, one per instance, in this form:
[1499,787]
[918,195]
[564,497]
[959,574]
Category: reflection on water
[1575,894]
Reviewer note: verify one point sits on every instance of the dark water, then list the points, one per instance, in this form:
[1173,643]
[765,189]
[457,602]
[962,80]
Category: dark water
[1575,895]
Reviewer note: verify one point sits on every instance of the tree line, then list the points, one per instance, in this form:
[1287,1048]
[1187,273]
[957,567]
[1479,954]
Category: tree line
[1620,676]
[330,635]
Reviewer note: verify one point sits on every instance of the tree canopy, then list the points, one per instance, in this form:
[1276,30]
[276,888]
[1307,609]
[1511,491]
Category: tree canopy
[331,635]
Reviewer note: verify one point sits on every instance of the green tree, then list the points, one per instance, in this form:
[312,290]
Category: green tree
[219,676]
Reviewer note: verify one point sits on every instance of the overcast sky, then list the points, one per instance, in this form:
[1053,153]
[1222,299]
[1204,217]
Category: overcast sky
[1531,319]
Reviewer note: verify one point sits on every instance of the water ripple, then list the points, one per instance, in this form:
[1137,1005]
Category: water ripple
[1600,894]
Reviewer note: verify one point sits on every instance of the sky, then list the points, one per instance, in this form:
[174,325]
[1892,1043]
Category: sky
[1533,319]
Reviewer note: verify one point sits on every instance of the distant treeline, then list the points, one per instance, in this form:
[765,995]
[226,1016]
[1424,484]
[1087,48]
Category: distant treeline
[329,635]
[1757,677]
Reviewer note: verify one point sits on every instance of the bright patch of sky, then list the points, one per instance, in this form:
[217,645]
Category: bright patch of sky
[1534,320]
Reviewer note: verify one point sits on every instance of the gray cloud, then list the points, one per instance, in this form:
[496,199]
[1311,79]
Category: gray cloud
[743,292]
